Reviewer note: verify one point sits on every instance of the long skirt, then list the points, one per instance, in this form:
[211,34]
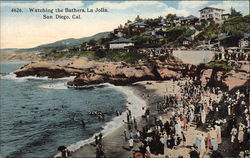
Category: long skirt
[209,140]
[214,143]
[218,136]
[241,136]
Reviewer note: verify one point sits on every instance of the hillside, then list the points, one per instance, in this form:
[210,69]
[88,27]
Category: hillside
[62,44]
[71,41]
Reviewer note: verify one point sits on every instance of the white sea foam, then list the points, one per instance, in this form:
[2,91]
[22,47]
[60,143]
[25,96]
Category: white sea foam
[57,85]
[12,76]
[134,103]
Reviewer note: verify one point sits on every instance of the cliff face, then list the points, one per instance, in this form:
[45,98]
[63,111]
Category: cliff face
[227,80]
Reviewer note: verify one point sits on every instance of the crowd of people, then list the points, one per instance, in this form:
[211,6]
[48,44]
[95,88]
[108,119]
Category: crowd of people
[200,107]
[235,55]
[157,51]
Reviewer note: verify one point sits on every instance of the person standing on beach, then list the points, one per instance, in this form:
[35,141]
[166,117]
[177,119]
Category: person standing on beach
[96,140]
[202,146]
[125,135]
[131,143]
[100,138]
[147,113]
[135,124]
[233,134]
[183,138]
[128,120]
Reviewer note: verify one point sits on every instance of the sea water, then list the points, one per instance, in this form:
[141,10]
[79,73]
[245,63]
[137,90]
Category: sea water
[39,114]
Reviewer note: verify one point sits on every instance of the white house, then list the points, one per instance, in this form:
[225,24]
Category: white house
[211,14]
[244,42]
[120,43]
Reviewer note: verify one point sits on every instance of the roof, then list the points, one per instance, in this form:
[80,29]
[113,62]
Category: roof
[210,8]
[179,17]
[121,40]
[190,17]
[221,37]
[139,24]
[156,37]
[188,38]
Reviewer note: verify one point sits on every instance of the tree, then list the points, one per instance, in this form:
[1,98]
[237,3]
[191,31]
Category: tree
[138,19]
[83,46]
[236,27]
[211,31]
[92,42]
[170,18]
[234,13]
[120,26]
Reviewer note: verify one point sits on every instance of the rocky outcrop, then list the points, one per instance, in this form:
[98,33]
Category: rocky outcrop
[116,73]
[226,80]
[47,69]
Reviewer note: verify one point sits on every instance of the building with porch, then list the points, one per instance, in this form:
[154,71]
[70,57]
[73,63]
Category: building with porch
[120,43]
[211,14]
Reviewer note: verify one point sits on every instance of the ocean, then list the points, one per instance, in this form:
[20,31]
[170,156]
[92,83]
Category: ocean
[39,114]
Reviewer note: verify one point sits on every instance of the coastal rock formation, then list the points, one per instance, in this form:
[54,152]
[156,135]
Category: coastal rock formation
[228,80]
[46,69]
[236,79]
[117,73]
[166,73]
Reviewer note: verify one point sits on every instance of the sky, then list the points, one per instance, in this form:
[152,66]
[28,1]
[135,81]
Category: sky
[27,30]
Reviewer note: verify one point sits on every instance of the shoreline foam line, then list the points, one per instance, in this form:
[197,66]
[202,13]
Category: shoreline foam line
[12,76]
[134,103]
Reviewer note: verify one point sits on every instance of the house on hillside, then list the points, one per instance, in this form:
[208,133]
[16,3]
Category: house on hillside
[177,20]
[156,39]
[190,20]
[138,27]
[186,41]
[244,42]
[211,14]
[120,43]
[221,38]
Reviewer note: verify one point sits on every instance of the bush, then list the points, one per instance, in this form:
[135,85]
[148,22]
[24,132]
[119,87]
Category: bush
[219,65]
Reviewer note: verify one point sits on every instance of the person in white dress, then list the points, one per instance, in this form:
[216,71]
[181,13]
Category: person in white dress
[233,134]
[241,133]
[202,146]
[131,143]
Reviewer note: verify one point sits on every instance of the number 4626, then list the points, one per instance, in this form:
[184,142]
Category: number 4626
[16,10]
